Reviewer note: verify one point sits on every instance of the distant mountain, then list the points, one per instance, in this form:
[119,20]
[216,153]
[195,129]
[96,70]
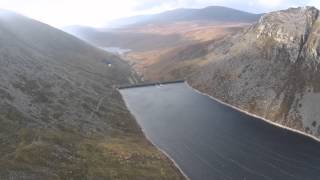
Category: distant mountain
[78,30]
[211,13]
[166,30]
[61,116]
[123,22]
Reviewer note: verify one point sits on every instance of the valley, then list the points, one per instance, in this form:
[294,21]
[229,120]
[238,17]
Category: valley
[188,93]
[266,66]
[155,40]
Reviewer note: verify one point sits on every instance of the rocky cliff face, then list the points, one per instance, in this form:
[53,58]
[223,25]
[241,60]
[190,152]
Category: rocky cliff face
[292,29]
[271,69]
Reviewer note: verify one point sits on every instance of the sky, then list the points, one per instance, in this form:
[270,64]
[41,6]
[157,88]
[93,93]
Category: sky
[98,13]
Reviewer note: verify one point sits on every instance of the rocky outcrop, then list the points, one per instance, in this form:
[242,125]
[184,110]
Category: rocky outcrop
[270,69]
[290,29]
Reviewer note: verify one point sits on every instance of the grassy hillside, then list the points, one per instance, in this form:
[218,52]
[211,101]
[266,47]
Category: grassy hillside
[60,115]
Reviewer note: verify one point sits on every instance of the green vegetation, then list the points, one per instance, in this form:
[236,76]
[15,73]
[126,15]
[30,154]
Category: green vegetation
[57,154]
[115,150]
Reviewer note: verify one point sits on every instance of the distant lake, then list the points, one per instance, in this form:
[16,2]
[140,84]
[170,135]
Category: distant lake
[211,141]
[116,50]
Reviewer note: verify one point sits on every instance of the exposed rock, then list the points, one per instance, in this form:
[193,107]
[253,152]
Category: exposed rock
[270,69]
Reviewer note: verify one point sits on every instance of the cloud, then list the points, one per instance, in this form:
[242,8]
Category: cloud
[315,3]
[271,3]
[146,5]
[98,12]
[65,12]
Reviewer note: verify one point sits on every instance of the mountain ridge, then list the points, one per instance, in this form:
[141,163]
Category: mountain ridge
[157,38]
[210,13]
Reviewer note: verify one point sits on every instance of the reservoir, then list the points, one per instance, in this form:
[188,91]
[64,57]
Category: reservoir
[211,141]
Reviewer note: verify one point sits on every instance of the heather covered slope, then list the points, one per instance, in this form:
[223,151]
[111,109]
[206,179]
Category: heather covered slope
[60,115]
[271,69]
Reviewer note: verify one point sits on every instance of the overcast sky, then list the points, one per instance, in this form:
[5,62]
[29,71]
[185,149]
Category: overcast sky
[97,13]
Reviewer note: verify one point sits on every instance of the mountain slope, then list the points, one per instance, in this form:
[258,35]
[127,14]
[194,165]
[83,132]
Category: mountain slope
[271,69]
[60,114]
[211,13]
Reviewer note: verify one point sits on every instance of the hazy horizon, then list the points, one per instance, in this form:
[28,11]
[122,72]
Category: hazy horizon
[98,13]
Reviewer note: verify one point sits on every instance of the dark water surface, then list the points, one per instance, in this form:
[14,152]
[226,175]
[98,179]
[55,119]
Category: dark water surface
[211,141]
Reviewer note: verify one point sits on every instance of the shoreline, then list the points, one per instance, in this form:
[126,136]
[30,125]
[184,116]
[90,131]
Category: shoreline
[255,116]
[174,163]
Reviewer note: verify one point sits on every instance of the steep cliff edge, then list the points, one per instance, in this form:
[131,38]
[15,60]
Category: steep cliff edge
[270,69]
